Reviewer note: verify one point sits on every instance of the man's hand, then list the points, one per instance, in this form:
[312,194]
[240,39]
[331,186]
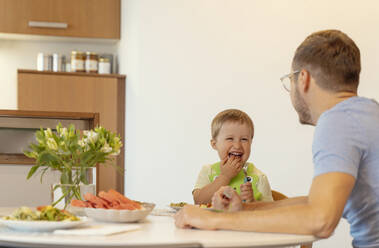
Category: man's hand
[247,194]
[194,217]
[226,199]
[230,166]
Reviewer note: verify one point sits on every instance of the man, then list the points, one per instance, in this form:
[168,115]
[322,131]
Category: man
[323,89]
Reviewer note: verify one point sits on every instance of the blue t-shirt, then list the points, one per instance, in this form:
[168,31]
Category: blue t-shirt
[346,140]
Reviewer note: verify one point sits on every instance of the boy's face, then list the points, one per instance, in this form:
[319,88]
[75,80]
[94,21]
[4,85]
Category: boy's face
[234,139]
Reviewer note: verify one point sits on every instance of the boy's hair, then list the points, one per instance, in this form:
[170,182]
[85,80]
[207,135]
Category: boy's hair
[233,115]
[332,58]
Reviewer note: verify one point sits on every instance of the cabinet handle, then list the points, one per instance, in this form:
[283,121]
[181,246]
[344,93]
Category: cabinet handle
[35,24]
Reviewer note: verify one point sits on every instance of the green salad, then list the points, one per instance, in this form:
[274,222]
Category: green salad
[46,213]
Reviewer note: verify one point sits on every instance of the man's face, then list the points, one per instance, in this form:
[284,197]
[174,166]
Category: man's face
[299,103]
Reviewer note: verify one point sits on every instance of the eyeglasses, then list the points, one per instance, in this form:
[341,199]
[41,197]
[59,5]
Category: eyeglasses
[286,80]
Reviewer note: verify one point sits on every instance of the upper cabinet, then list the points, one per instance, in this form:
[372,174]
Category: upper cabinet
[72,18]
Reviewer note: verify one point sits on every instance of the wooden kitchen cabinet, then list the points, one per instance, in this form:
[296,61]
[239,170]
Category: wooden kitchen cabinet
[80,92]
[73,18]
[17,131]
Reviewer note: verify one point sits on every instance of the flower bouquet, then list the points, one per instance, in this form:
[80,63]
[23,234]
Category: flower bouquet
[72,153]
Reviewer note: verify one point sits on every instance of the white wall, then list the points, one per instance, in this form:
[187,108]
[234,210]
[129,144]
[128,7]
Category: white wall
[186,60]
[16,191]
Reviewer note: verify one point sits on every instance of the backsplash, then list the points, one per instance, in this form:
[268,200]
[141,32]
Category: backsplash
[22,54]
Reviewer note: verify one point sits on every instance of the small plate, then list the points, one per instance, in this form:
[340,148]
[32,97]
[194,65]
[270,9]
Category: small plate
[115,215]
[176,208]
[41,225]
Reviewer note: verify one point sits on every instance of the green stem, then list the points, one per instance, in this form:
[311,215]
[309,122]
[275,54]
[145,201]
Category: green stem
[60,199]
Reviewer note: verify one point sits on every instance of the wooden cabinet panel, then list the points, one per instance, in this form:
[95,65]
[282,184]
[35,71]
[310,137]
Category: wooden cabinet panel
[84,18]
[80,92]
[17,130]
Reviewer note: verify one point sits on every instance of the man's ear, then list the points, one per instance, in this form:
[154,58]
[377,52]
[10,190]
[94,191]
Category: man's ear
[304,80]
[213,143]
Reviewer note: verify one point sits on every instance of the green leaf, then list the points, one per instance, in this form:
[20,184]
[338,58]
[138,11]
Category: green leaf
[83,176]
[43,173]
[85,157]
[29,154]
[47,157]
[32,171]
[65,178]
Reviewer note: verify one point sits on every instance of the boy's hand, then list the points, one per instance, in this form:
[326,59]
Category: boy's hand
[230,166]
[247,193]
[226,199]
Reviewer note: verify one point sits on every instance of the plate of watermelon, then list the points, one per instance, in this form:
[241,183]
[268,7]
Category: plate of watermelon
[113,206]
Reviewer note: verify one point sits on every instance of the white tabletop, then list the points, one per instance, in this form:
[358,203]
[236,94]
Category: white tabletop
[155,231]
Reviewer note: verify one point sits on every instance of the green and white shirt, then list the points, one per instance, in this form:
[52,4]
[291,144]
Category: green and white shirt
[259,181]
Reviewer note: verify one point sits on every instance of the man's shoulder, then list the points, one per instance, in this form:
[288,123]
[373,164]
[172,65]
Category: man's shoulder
[348,109]
[348,116]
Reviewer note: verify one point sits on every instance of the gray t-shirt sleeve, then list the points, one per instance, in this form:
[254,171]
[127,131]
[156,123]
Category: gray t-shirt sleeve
[338,144]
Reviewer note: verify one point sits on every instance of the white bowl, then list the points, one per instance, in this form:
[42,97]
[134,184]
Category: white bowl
[115,215]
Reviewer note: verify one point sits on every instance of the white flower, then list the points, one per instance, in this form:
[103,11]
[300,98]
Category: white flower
[63,132]
[91,136]
[52,144]
[115,153]
[48,133]
[82,143]
[106,148]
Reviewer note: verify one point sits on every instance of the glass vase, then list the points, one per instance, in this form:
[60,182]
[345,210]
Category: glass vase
[74,184]
[62,194]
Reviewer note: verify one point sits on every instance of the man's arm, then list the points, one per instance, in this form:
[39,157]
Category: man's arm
[275,204]
[318,216]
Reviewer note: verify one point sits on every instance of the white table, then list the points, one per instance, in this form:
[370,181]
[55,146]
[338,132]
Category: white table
[156,231]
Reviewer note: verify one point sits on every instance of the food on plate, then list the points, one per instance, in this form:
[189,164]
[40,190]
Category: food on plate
[107,200]
[208,205]
[46,213]
[178,205]
[54,214]
[22,213]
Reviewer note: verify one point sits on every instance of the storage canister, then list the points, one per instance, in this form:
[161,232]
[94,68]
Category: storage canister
[40,62]
[77,61]
[104,66]
[91,62]
[57,62]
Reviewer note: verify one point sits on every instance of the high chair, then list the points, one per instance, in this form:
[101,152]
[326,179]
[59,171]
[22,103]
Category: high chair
[277,196]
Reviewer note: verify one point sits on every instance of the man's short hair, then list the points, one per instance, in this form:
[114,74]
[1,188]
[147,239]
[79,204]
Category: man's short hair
[232,115]
[332,58]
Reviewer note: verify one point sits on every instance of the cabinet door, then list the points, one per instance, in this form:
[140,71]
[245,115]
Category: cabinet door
[74,18]
[80,92]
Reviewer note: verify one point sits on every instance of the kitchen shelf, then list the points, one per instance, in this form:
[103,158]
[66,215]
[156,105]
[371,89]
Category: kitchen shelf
[51,38]
[79,74]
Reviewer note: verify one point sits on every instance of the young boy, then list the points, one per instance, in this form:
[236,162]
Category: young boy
[232,135]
